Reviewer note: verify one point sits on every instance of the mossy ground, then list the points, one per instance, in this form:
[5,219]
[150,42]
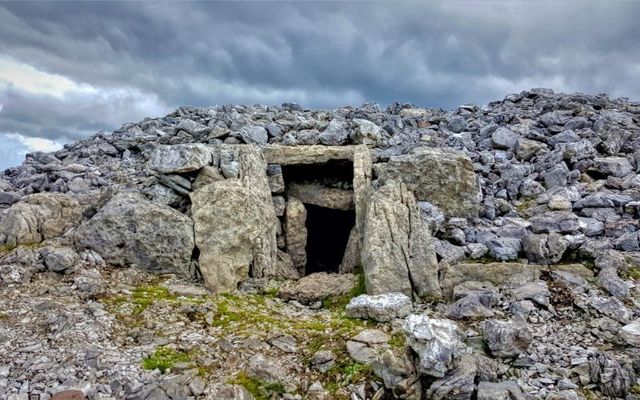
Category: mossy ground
[243,316]
[260,389]
[163,358]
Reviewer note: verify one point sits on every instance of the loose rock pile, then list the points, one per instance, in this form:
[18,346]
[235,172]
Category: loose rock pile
[510,274]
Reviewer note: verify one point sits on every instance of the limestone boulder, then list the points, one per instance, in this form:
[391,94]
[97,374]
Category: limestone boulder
[39,217]
[443,177]
[398,253]
[180,158]
[235,224]
[131,230]
[500,274]
[318,286]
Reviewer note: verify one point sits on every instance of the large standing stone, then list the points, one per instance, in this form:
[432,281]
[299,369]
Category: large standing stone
[398,253]
[180,158]
[235,224]
[296,231]
[442,177]
[39,217]
[131,230]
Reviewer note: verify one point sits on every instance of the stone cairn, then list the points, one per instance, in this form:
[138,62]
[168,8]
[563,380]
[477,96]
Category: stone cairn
[521,216]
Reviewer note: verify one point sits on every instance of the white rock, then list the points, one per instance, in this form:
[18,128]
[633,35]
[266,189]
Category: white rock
[381,308]
[631,333]
[438,343]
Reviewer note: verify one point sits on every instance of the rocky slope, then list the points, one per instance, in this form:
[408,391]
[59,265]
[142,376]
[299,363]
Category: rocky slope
[537,241]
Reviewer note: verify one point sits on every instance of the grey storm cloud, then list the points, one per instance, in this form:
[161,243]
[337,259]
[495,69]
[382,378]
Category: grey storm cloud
[122,61]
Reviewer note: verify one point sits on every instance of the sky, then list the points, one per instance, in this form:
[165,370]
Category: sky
[70,69]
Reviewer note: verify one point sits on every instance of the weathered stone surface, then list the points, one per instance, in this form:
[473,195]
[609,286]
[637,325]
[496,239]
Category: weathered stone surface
[235,224]
[614,166]
[438,343]
[458,384]
[319,195]
[398,253]
[508,390]
[544,248]
[366,132]
[395,368]
[334,134]
[40,217]
[614,379]
[500,274]
[381,308]
[296,231]
[507,338]
[468,307]
[59,259]
[275,177]
[609,280]
[318,286]
[555,221]
[180,158]
[442,177]
[130,230]
[630,333]
[313,154]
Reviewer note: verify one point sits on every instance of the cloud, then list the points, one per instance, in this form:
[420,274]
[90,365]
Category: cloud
[15,147]
[74,68]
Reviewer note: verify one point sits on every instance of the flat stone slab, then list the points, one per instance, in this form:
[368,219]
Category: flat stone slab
[500,274]
[314,154]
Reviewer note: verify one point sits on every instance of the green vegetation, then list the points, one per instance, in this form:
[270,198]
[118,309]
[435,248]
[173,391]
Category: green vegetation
[260,389]
[338,303]
[140,299]
[3,315]
[163,358]
[633,273]
[398,340]
[346,373]
[7,248]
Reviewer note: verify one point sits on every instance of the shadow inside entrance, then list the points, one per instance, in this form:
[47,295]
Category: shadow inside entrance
[327,235]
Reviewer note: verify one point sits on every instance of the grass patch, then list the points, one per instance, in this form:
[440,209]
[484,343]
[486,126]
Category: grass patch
[163,358]
[633,273]
[3,315]
[260,389]
[145,295]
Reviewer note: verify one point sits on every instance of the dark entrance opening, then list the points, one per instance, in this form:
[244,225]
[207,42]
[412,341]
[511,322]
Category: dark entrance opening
[327,235]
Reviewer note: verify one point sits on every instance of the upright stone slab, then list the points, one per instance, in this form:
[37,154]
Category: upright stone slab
[235,224]
[442,177]
[398,253]
[296,231]
[361,192]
